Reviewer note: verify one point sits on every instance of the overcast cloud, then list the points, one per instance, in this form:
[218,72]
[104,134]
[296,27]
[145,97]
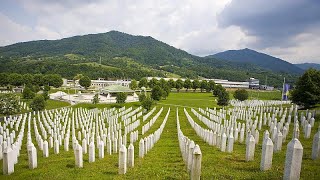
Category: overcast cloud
[289,29]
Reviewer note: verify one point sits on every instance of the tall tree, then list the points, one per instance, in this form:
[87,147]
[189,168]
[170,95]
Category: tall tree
[211,85]
[142,97]
[54,80]
[4,79]
[218,89]
[153,82]
[223,98]
[156,93]
[307,90]
[15,79]
[85,82]
[187,84]
[195,84]
[162,83]
[38,80]
[143,82]
[28,93]
[203,85]
[27,78]
[171,83]
[38,103]
[134,84]
[121,97]
[166,91]
[147,103]
[179,84]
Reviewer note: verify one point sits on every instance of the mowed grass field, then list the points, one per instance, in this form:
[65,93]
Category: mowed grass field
[164,161]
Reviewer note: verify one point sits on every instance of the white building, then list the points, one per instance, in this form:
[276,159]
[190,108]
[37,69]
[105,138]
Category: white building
[231,84]
[253,83]
[99,83]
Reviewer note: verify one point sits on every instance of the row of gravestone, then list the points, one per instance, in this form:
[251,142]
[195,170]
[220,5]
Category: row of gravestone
[191,153]
[57,142]
[147,143]
[147,126]
[83,147]
[265,163]
[251,103]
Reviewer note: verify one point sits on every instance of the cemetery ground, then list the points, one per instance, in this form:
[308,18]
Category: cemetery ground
[164,160]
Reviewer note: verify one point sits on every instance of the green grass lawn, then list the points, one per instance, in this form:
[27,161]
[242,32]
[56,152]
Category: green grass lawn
[190,99]
[261,94]
[164,161]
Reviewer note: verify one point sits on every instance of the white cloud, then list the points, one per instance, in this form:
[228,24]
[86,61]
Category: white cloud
[13,32]
[305,49]
[178,23]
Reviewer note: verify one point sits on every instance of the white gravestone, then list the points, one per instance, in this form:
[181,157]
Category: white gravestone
[293,160]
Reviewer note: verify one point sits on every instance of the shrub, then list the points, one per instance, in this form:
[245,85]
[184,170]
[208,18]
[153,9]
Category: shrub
[121,97]
[241,94]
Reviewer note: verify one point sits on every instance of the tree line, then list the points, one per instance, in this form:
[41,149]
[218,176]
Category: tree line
[15,79]
[204,85]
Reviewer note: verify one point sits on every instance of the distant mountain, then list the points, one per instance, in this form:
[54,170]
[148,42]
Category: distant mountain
[306,66]
[119,55]
[260,59]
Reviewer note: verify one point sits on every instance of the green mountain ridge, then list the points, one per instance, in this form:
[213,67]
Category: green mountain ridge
[260,59]
[124,56]
[306,66]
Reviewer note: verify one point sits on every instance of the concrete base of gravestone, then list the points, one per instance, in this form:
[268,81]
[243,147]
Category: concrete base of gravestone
[293,160]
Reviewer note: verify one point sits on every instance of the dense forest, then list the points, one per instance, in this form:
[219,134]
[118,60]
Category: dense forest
[115,55]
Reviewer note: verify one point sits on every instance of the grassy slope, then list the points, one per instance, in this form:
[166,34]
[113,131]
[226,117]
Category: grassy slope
[164,161]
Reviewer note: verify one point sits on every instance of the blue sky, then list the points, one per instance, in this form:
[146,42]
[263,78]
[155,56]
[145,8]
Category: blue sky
[288,29]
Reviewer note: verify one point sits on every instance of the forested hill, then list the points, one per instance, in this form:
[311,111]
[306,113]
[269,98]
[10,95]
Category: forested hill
[143,49]
[260,59]
[120,55]
[306,66]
